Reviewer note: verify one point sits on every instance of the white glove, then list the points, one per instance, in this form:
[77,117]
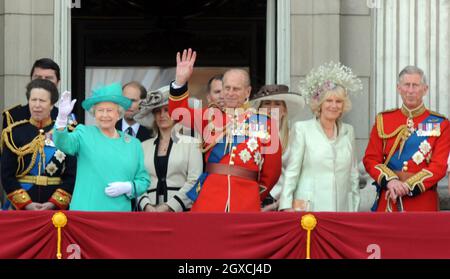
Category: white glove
[64,109]
[116,189]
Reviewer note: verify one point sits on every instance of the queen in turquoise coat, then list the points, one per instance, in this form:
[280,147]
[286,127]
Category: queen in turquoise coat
[110,164]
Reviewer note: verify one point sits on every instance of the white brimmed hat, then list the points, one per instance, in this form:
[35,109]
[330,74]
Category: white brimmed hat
[279,92]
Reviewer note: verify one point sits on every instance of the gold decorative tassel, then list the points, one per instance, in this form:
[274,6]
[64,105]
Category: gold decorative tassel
[59,221]
[309,222]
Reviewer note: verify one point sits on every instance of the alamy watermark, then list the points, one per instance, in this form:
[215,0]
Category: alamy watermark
[374,251]
[73,4]
[73,252]
[238,126]
[373,4]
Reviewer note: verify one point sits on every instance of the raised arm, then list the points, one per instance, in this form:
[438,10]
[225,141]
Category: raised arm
[185,66]
[179,109]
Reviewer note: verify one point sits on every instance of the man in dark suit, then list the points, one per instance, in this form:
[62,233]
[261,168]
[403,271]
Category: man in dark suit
[135,92]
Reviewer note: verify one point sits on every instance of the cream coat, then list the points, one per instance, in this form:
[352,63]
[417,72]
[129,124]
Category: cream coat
[184,167]
[321,171]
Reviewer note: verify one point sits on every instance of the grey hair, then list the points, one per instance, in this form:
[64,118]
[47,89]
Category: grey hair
[243,72]
[120,108]
[410,70]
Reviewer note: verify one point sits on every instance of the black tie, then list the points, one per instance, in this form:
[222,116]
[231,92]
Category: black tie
[130,131]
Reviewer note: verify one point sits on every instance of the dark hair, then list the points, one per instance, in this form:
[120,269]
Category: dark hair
[46,85]
[216,77]
[46,63]
[138,86]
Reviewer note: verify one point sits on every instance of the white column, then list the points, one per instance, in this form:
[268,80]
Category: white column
[271,38]
[284,42]
[62,40]
[412,32]
[443,50]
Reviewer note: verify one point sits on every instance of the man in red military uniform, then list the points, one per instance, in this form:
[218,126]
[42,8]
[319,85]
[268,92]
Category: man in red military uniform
[243,158]
[408,149]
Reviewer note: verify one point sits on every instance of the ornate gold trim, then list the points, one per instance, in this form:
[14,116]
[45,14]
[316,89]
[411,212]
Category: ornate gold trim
[61,198]
[385,172]
[401,138]
[41,124]
[437,114]
[40,180]
[59,220]
[179,98]
[417,180]
[308,223]
[413,113]
[380,128]
[34,147]
[19,198]
[8,116]
[10,108]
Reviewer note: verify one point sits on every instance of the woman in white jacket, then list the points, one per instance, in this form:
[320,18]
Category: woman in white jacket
[172,160]
[322,173]
[286,107]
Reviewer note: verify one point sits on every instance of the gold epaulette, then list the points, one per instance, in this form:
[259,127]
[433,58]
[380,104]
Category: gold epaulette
[10,108]
[34,147]
[380,127]
[8,140]
[7,115]
[389,110]
[437,114]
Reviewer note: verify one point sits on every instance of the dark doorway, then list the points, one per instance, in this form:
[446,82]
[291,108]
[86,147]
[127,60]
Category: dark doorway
[225,33]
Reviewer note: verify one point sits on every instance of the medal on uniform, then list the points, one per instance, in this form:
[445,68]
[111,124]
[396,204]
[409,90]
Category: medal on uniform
[436,130]
[429,130]
[49,140]
[410,125]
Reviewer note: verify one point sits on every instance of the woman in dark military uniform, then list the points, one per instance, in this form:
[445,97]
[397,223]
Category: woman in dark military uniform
[36,175]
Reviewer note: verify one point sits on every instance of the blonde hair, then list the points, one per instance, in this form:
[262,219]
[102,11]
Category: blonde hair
[284,127]
[284,133]
[339,92]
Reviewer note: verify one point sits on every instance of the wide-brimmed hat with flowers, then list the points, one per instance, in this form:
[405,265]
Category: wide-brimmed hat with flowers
[153,100]
[327,77]
[109,93]
[280,92]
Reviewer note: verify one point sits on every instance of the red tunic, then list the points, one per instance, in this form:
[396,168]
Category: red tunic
[417,157]
[229,193]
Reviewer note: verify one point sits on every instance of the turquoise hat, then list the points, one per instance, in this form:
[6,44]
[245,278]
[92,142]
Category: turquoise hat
[108,93]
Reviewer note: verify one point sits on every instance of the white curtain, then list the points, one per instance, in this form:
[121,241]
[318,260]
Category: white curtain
[150,77]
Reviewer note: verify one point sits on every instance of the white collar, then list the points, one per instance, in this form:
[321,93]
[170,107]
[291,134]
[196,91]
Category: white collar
[125,126]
